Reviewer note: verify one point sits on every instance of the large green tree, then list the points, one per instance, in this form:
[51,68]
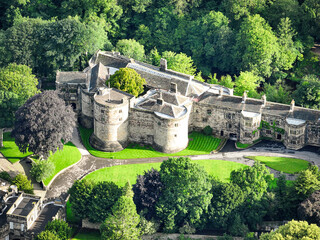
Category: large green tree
[131,48]
[127,80]
[60,228]
[256,46]
[237,9]
[185,196]
[42,123]
[247,81]
[122,223]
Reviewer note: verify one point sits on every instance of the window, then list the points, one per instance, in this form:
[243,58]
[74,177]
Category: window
[11,225]
[293,132]
[247,134]
[229,116]
[22,227]
[176,124]
[248,124]
[120,119]
[209,111]
[293,142]
[268,131]
[120,111]
[204,119]
[102,111]
[159,123]
[175,135]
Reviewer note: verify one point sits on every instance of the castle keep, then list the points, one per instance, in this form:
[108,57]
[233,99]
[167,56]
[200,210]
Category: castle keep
[174,105]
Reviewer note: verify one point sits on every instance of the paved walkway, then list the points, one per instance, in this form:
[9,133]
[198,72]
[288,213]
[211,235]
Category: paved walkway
[89,163]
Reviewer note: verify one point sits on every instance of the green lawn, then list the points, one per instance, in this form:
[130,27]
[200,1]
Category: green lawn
[282,164]
[10,150]
[70,216]
[199,144]
[243,145]
[62,159]
[87,235]
[122,173]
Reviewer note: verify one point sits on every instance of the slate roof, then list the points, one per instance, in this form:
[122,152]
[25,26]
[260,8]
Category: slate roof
[98,77]
[71,77]
[166,108]
[171,98]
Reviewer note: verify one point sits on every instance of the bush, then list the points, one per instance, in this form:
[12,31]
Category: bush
[207,130]
[148,227]
[238,228]
[41,170]
[225,237]
[23,184]
[5,176]
[60,228]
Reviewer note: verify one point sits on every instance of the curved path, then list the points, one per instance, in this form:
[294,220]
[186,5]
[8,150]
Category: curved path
[89,163]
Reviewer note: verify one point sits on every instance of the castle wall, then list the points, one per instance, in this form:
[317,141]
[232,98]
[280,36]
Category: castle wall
[141,126]
[249,129]
[295,137]
[313,134]
[110,126]
[224,122]
[86,117]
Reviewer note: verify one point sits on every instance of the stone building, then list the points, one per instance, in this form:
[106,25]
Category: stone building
[174,105]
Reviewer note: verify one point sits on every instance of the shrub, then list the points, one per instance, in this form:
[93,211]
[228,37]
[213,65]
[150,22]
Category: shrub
[5,176]
[207,130]
[60,228]
[41,170]
[23,184]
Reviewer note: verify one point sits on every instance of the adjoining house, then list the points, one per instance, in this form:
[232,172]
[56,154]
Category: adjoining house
[176,104]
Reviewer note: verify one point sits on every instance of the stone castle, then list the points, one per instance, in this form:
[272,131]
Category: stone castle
[174,105]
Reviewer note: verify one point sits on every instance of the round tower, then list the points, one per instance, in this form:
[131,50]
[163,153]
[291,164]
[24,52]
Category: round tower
[86,116]
[110,111]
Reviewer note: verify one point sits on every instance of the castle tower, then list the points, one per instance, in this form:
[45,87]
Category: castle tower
[111,109]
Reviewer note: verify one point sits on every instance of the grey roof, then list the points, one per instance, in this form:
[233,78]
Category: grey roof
[112,96]
[111,59]
[305,114]
[25,206]
[172,98]
[166,108]
[71,77]
[98,76]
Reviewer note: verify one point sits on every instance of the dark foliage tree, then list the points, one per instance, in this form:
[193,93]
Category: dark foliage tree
[80,196]
[127,80]
[309,209]
[123,222]
[185,196]
[147,191]
[226,199]
[42,123]
[103,197]
[60,228]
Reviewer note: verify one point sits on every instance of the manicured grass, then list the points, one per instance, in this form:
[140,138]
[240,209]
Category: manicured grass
[87,235]
[10,150]
[122,173]
[243,145]
[62,159]
[199,144]
[283,164]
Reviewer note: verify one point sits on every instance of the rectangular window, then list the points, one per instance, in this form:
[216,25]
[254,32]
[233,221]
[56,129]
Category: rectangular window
[176,124]
[11,225]
[204,119]
[175,135]
[22,227]
[248,124]
[268,131]
[248,135]
[209,112]
[120,119]
[120,111]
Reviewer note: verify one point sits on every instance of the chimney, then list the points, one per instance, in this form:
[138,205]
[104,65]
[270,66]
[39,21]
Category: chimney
[220,91]
[132,60]
[264,98]
[292,105]
[173,87]
[163,64]
[160,100]
[244,97]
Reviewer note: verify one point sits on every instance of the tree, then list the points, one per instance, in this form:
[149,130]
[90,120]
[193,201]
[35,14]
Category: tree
[147,191]
[47,235]
[247,81]
[17,84]
[128,80]
[238,9]
[60,228]
[80,195]
[252,180]
[131,48]
[279,92]
[42,123]
[308,92]
[179,62]
[307,182]
[185,196]
[103,197]
[309,209]
[41,170]
[23,184]
[227,197]
[122,223]
[294,230]
[256,47]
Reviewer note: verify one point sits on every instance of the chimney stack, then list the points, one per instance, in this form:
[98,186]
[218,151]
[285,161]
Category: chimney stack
[220,91]
[163,64]
[160,100]
[292,105]
[244,97]
[264,98]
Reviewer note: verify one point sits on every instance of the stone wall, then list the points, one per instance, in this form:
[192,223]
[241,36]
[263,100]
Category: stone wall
[295,137]
[313,134]
[141,126]
[86,117]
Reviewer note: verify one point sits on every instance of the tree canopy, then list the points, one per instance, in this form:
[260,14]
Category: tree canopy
[131,48]
[43,123]
[127,80]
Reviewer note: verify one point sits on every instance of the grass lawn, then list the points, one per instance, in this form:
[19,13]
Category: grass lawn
[10,150]
[243,145]
[122,173]
[282,164]
[70,216]
[62,159]
[199,145]
[87,235]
